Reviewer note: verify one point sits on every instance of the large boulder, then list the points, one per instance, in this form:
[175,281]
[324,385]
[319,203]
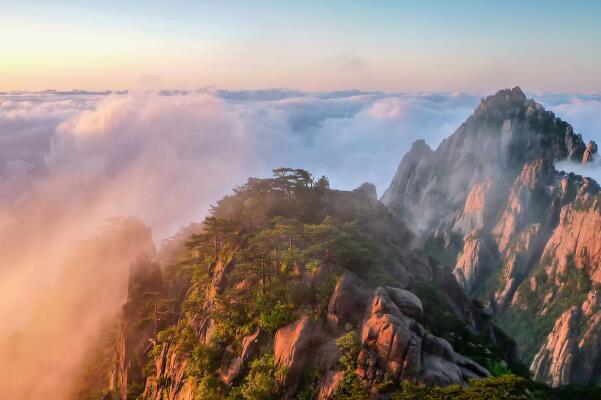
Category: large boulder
[407,302]
[293,345]
[347,303]
[394,343]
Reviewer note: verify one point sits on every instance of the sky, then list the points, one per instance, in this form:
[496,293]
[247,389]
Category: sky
[310,45]
[177,102]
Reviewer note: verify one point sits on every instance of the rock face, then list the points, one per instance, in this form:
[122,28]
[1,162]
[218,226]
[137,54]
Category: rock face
[591,150]
[555,360]
[369,189]
[572,351]
[171,365]
[516,232]
[394,343]
[505,131]
[474,261]
[473,216]
[292,349]
[576,241]
[347,303]
[233,365]
[135,329]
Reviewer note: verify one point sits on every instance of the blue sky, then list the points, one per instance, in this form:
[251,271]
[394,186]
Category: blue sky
[310,45]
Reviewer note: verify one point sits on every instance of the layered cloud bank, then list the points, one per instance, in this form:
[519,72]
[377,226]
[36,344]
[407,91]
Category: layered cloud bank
[135,154]
[70,161]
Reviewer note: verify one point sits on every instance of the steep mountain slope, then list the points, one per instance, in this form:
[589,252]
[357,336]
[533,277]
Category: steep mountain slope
[50,355]
[518,234]
[293,290]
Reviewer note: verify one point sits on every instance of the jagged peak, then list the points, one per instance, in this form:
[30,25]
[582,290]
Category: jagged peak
[506,97]
[369,189]
[420,145]
[516,93]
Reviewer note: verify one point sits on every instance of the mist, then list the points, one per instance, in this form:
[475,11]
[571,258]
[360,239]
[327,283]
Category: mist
[71,161]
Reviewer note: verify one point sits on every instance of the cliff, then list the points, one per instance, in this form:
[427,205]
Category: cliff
[517,234]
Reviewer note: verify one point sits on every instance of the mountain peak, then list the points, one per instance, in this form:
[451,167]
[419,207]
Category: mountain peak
[505,98]
[515,93]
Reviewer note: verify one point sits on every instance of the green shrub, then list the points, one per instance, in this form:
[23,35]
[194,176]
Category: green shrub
[260,382]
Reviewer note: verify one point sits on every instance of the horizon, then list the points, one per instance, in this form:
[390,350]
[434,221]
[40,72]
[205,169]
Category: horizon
[289,90]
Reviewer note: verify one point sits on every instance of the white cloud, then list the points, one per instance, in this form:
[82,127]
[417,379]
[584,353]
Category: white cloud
[69,161]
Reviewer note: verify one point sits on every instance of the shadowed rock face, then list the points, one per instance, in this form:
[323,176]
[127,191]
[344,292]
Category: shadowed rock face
[516,232]
[136,329]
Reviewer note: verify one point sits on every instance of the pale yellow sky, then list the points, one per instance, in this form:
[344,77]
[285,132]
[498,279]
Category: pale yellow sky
[392,47]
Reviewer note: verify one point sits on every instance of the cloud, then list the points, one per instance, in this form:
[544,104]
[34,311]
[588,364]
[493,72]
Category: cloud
[71,160]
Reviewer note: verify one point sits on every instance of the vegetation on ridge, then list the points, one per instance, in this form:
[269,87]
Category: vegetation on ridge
[269,254]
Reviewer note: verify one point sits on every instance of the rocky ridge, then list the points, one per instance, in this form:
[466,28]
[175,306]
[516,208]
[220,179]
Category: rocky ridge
[517,233]
[397,335]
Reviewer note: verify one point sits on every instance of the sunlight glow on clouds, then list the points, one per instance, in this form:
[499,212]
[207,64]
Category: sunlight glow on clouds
[70,161]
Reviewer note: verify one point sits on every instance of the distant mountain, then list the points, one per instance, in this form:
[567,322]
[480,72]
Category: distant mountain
[517,234]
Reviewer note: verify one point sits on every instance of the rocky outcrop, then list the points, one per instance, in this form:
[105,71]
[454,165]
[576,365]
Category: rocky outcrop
[555,360]
[408,303]
[518,261]
[169,380]
[347,303]
[591,150]
[394,343]
[528,190]
[232,365]
[138,327]
[369,189]
[329,385]
[572,351]
[576,241]
[474,262]
[304,344]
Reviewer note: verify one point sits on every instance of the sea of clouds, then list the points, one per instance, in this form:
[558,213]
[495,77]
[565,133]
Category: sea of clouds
[70,161]
[164,157]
